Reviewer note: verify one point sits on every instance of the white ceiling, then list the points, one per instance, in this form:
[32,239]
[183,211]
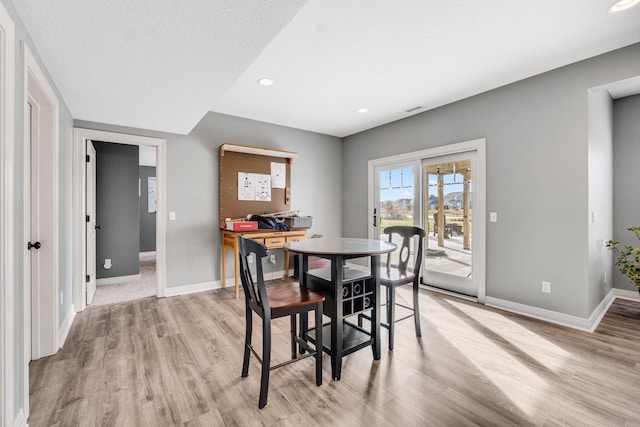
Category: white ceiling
[162,64]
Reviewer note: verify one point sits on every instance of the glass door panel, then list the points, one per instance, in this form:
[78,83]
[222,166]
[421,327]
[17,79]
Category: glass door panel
[398,199]
[448,213]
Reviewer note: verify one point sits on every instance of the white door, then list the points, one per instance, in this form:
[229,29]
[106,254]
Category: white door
[91,221]
[450,197]
[42,299]
[396,198]
[33,258]
[41,271]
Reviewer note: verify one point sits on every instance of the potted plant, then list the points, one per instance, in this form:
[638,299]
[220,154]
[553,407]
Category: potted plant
[628,258]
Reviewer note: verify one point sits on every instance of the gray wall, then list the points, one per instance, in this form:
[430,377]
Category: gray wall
[193,240]
[537,176]
[147,220]
[626,176]
[117,209]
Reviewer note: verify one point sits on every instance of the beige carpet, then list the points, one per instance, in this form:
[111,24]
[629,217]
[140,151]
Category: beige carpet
[144,287]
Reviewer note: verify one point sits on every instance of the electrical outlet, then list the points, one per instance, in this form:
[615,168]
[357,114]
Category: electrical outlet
[272,258]
[546,287]
[61,297]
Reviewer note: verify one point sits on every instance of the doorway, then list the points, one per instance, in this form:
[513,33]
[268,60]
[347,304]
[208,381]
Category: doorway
[122,258]
[436,189]
[81,136]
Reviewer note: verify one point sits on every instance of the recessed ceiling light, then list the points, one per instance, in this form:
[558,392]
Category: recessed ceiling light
[623,5]
[362,110]
[265,81]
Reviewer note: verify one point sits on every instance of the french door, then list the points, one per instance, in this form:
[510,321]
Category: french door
[449,194]
[397,199]
[442,191]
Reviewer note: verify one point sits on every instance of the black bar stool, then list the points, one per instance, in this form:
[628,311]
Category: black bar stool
[288,299]
[393,277]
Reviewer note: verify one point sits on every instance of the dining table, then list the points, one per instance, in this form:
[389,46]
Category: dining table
[351,285]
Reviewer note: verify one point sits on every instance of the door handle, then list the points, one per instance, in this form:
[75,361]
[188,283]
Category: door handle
[36,245]
[98,227]
[374,217]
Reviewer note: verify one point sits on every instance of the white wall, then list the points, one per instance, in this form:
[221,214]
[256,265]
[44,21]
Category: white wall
[600,212]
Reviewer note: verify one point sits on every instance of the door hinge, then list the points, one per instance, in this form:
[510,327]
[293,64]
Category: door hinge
[88,218]
[88,158]
[88,278]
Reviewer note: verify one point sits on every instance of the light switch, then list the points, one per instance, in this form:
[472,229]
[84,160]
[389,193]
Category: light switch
[493,216]
[172,216]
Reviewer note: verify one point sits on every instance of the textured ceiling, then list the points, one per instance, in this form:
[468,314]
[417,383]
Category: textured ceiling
[162,64]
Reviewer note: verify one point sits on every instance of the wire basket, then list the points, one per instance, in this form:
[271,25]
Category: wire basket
[298,221]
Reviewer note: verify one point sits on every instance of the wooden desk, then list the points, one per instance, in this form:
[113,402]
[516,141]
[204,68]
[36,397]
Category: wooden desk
[272,239]
[349,290]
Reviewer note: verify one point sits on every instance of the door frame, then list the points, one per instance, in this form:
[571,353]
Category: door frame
[7,284]
[479,214]
[80,137]
[36,88]
[90,225]
[39,94]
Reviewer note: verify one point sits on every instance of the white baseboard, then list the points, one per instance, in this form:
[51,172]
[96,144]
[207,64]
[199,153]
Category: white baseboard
[193,288]
[601,310]
[624,294]
[20,420]
[562,319]
[150,253]
[119,279]
[208,286]
[66,326]
[271,275]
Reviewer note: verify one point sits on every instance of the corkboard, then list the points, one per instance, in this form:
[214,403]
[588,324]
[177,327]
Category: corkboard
[231,163]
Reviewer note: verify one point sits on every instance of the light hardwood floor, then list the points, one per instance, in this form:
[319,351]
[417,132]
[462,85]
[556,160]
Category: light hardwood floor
[177,361]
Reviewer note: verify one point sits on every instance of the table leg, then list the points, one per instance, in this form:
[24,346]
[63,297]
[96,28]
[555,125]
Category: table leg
[286,263]
[224,266]
[303,263]
[375,313]
[336,324]
[237,270]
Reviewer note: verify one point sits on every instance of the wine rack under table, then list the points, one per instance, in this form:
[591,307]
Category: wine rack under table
[356,294]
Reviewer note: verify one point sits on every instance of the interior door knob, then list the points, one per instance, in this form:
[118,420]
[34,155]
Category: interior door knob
[36,245]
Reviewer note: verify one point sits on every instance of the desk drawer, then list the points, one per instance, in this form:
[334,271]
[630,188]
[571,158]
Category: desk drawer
[295,238]
[275,242]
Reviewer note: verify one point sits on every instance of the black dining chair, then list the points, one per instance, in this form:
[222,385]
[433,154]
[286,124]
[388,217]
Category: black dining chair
[272,302]
[394,276]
